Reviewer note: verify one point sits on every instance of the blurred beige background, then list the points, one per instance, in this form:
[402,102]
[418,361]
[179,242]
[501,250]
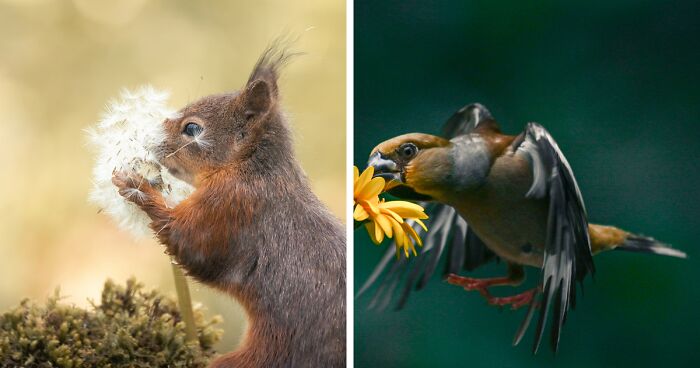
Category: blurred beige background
[61,61]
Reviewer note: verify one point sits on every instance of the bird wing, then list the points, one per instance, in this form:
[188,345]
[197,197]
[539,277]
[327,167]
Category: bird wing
[467,119]
[567,257]
[449,234]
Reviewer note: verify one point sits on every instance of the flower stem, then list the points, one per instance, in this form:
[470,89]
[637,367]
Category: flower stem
[185,302]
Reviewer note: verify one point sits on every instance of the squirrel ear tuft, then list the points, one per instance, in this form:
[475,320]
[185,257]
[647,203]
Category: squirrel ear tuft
[261,89]
[258,98]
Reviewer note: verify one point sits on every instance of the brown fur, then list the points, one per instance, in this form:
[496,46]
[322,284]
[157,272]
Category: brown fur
[253,228]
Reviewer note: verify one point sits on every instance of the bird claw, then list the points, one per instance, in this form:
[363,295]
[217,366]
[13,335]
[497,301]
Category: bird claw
[469,283]
[515,301]
[482,286]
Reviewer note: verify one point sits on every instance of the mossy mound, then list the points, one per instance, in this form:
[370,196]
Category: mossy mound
[131,327]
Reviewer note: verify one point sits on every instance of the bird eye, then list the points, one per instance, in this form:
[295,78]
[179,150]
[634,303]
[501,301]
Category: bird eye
[408,150]
[192,129]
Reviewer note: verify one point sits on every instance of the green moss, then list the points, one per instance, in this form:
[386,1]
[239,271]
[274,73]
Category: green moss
[131,327]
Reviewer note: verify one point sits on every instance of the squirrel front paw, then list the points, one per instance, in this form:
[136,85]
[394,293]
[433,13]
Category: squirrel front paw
[133,187]
[136,189]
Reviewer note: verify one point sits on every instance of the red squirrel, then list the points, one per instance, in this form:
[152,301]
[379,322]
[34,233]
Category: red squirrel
[253,228]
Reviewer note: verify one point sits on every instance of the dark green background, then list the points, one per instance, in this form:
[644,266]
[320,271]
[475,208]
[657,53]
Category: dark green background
[617,84]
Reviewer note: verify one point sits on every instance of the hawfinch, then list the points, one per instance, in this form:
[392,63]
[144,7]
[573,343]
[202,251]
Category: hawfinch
[492,196]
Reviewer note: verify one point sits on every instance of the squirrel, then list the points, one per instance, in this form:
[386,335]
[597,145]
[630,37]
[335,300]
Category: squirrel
[252,228]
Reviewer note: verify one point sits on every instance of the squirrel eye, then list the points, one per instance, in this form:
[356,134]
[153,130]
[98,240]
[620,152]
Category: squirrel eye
[407,150]
[192,129]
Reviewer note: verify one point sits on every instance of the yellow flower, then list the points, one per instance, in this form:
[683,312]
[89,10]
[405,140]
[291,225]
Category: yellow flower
[384,218]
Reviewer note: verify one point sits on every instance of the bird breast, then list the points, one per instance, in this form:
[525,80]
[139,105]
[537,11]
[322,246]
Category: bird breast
[510,224]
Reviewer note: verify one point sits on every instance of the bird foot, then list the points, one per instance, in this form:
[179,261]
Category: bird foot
[483,285]
[515,301]
[469,283]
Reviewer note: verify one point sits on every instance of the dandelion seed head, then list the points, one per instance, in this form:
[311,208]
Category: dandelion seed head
[127,138]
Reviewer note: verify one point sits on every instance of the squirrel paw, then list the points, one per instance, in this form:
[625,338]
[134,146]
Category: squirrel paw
[133,187]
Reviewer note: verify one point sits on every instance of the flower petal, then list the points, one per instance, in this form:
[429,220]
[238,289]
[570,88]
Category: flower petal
[413,249]
[391,184]
[399,235]
[364,178]
[405,209]
[360,214]
[384,222]
[371,206]
[390,213]
[412,232]
[371,189]
[378,233]
[371,230]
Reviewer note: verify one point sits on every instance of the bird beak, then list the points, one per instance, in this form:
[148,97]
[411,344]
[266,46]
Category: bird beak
[384,168]
[390,171]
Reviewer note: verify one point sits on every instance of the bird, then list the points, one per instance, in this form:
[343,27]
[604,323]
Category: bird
[492,196]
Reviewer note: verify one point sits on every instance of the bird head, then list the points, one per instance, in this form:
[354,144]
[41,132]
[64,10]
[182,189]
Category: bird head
[414,164]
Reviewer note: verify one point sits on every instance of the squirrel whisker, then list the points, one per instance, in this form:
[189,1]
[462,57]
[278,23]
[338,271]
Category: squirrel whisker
[181,147]
[202,142]
[197,139]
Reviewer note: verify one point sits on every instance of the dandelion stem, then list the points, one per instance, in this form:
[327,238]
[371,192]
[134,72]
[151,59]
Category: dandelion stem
[185,302]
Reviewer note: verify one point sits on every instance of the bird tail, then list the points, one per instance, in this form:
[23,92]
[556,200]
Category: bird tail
[609,238]
[644,244]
